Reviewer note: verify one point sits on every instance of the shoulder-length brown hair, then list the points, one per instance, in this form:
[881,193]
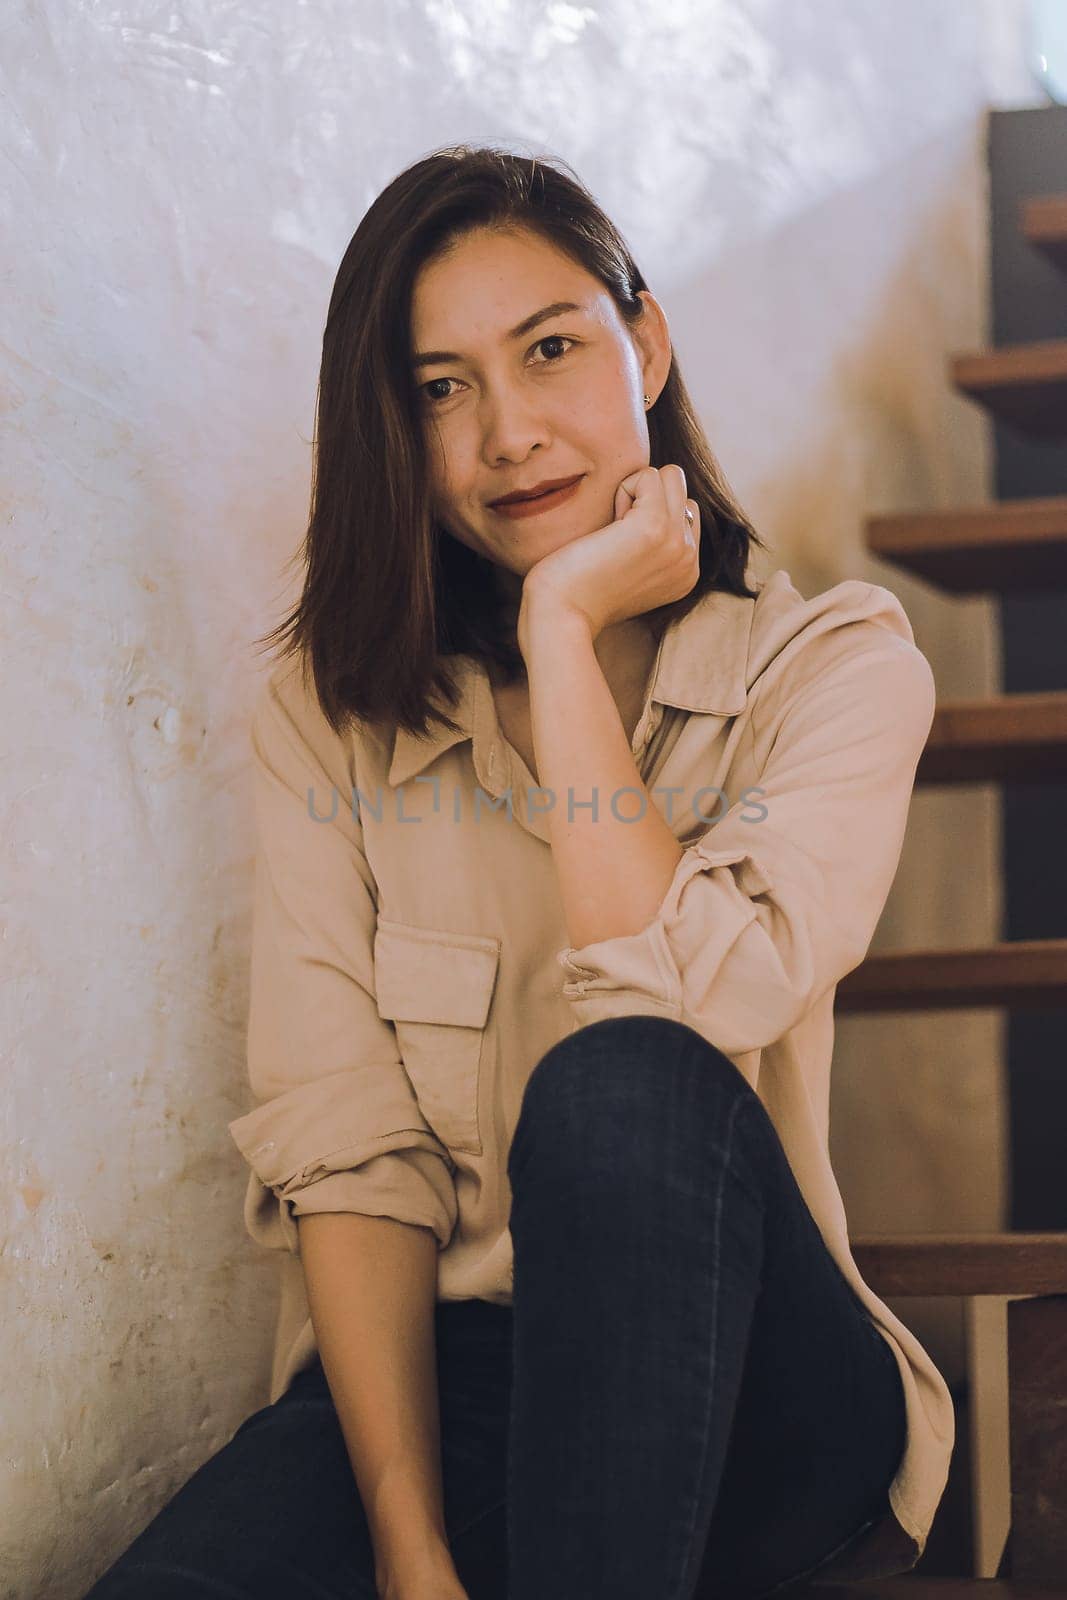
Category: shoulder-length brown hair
[389,594]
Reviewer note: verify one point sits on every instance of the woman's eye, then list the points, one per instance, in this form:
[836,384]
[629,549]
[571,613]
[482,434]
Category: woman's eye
[432,384]
[550,338]
[555,338]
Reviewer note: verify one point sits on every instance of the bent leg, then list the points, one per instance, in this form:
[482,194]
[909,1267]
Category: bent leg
[820,1423]
[652,1225]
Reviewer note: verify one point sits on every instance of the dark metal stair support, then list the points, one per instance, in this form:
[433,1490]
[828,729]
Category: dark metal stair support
[1027,153]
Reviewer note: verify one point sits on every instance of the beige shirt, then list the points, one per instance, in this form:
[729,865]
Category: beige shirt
[410,962]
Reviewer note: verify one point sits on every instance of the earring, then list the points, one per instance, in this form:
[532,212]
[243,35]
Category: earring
[648,401]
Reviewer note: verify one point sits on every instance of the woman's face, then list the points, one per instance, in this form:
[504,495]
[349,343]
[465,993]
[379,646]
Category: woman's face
[508,409]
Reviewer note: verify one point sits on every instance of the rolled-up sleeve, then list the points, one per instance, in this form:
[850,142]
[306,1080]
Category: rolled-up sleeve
[780,898]
[336,1125]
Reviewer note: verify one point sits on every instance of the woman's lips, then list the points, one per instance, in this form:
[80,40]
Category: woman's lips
[542,502]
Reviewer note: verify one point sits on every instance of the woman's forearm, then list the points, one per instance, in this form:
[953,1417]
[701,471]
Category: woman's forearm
[613,852]
[372,1288]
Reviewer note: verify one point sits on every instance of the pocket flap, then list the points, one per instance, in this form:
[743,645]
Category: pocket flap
[432,975]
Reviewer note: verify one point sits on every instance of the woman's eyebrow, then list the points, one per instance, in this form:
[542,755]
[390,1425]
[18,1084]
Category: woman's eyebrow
[428,358]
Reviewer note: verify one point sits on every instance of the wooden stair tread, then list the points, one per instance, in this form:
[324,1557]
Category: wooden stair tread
[962,1263]
[1021,384]
[1003,546]
[1020,972]
[1043,222]
[1014,736]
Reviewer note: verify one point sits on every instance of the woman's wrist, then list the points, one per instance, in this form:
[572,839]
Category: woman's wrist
[425,1574]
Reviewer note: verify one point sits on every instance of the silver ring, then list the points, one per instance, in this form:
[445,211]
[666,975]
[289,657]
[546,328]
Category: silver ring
[689,516]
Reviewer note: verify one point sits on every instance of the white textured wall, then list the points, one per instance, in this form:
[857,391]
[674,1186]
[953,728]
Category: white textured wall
[803,184]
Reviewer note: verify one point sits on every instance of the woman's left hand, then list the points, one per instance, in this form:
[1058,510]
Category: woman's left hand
[646,558]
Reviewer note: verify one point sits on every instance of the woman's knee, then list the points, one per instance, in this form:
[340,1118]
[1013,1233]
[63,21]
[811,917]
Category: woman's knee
[599,1091]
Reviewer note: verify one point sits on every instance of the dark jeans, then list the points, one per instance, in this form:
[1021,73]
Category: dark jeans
[685,1397]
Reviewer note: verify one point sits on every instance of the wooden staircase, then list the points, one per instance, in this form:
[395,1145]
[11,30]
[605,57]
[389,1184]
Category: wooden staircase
[1007,546]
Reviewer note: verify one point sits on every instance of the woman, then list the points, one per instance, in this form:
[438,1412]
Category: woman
[568,1307]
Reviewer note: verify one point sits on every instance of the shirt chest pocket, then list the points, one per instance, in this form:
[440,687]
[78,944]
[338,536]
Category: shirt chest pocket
[436,987]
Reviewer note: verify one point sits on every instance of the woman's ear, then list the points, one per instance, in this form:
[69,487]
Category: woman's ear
[652,335]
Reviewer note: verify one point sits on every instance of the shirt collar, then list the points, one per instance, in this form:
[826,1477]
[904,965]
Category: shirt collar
[701,665]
